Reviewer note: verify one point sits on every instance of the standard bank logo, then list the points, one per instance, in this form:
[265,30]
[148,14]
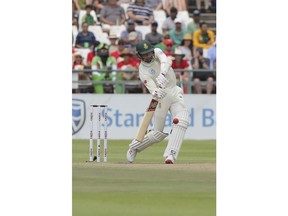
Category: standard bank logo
[78,115]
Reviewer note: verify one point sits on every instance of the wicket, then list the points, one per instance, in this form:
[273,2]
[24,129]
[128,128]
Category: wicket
[98,121]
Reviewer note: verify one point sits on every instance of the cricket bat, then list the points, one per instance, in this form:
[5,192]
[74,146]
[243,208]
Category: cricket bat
[146,120]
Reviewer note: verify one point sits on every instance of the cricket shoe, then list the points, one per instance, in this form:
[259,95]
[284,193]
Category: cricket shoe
[169,159]
[131,154]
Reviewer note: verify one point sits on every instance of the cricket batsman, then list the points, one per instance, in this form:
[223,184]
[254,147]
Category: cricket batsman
[157,75]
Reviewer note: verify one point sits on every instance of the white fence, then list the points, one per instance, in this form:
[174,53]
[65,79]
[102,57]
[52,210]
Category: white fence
[125,112]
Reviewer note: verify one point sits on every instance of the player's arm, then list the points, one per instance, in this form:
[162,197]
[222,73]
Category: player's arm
[164,60]
[148,82]
[165,64]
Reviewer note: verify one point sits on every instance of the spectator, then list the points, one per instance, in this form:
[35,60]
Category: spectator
[186,47]
[199,62]
[154,4]
[180,5]
[203,37]
[99,5]
[126,33]
[120,48]
[161,45]
[207,5]
[133,40]
[135,57]
[91,54]
[127,63]
[169,47]
[105,62]
[113,45]
[75,23]
[180,63]
[154,37]
[166,35]
[127,60]
[112,14]
[212,7]
[85,39]
[169,23]
[195,24]
[79,65]
[88,18]
[140,13]
[178,33]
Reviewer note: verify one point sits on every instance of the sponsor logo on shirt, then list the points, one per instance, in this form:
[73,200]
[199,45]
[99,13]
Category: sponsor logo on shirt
[152,71]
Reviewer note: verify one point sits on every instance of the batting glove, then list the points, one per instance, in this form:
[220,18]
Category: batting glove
[162,81]
[159,93]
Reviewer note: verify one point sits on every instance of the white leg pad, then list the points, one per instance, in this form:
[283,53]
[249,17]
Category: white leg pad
[177,135]
[150,138]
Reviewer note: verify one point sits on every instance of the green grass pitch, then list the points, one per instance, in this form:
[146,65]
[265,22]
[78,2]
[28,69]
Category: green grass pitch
[147,187]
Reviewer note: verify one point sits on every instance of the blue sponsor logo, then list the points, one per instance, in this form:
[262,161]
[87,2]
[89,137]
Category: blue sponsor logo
[78,115]
[208,119]
[117,118]
[152,71]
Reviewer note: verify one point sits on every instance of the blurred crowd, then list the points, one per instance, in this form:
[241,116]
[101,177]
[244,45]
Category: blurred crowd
[105,34]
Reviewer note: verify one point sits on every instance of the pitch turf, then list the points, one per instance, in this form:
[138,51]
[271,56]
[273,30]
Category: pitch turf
[147,187]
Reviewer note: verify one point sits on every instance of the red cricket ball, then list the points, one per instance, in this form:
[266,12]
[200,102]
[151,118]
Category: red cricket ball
[175,120]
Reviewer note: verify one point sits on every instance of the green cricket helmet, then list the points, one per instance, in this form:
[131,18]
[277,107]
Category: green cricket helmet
[102,46]
[144,47]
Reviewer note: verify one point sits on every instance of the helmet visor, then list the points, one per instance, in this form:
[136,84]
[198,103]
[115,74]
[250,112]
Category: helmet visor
[147,56]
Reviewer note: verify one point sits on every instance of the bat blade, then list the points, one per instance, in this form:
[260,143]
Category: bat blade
[146,120]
